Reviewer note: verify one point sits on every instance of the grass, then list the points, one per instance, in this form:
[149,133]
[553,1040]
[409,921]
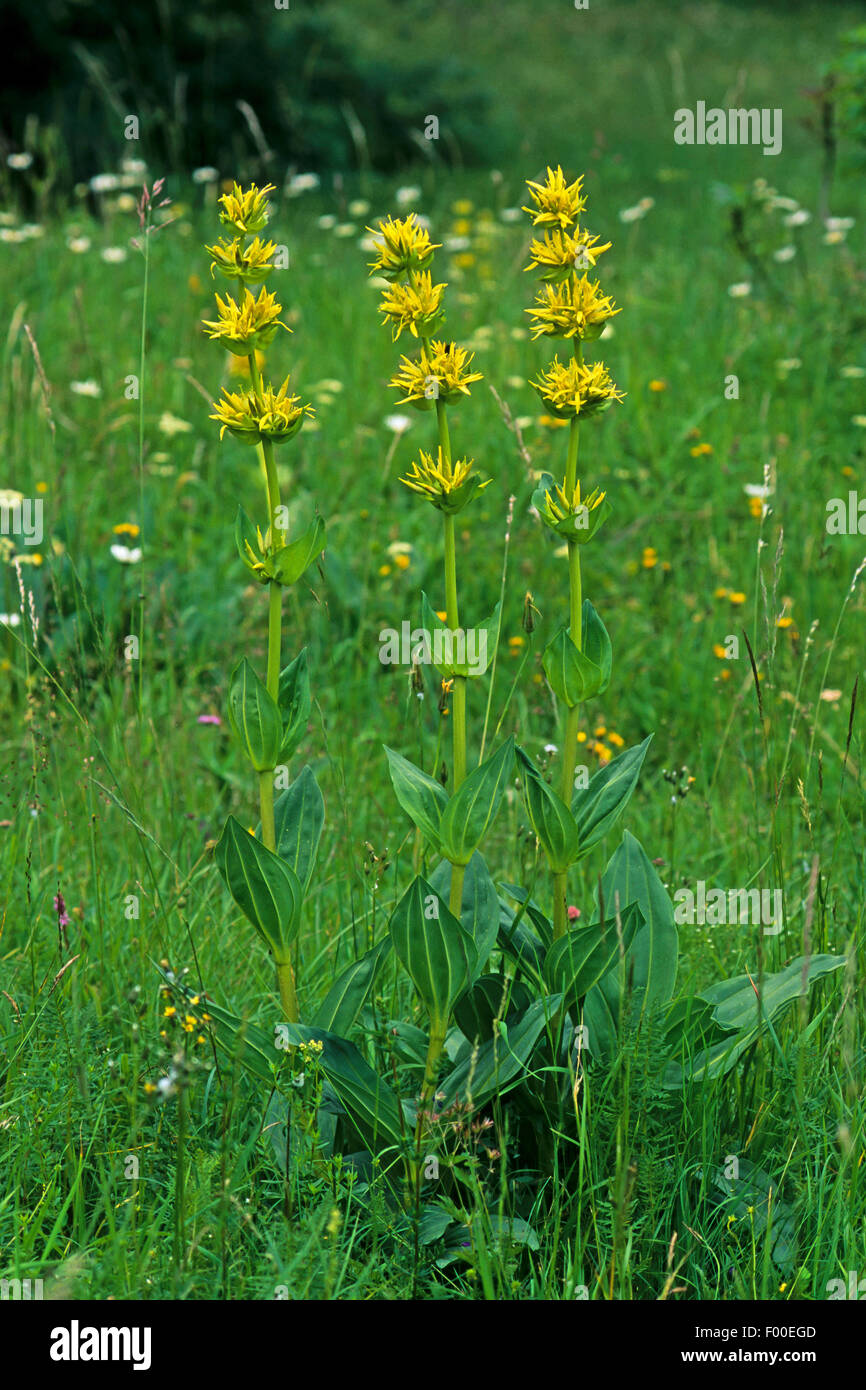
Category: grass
[110,794]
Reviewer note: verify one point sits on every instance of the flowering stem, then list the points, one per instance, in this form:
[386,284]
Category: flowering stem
[572,718]
[452,617]
[285,974]
[428,1090]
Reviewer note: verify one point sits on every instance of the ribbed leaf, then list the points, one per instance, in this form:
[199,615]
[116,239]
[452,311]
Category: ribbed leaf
[479,910]
[254,717]
[598,807]
[294,703]
[438,953]
[349,992]
[299,815]
[736,1001]
[289,563]
[473,807]
[481,647]
[501,1063]
[551,819]
[267,890]
[573,676]
[422,797]
[596,644]
[584,955]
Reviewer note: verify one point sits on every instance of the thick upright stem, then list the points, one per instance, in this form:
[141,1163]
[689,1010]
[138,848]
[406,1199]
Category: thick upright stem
[572,718]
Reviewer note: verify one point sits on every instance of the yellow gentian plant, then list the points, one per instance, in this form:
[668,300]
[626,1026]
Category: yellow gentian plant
[267,873]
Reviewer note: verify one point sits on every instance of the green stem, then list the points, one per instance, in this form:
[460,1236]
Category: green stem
[285,974]
[458,700]
[572,718]
[288,994]
[428,1092]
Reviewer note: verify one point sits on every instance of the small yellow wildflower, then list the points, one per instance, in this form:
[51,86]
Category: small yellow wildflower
[560,253]
[656,385]
[448,485]
[557,203]
[246,211]
[616,739]
[720,593]
[576,309]
[649,558]
[581,736]
[416,306]
[402,247]
[440,374]
[41,487]
[784,621]
[737,598]
[241,327]
[756,507]
[463,207]
[719,651]
[384,570]
[402,562]
[273,415]
[577,388]
[698,450]
[126,528]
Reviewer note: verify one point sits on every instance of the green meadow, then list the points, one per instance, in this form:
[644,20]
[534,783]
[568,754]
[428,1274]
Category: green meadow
[735,613]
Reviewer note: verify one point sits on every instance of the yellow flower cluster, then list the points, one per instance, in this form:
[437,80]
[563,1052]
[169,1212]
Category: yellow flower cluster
[576,388]
[441,373]
[260,412]
[569,304]
[449,486]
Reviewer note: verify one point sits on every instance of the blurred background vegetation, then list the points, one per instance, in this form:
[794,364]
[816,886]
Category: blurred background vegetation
[332,86]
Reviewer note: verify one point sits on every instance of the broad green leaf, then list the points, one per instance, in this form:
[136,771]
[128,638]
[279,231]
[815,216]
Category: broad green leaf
[290,562]
[476,1011]
[500,1064]
[254,717]
[541,923]
[598,807]
[596,644]
[437,952]
[584,955]
[294,702]
[349,992]
[299,814]
[479,911]
[422,797]
[736,1000]
[366,1097]
[516,939]
[650,967]
[551,819]
[460,651]
[472,809]
[265,888]
[709,1063]
[573,676]
[246,535]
